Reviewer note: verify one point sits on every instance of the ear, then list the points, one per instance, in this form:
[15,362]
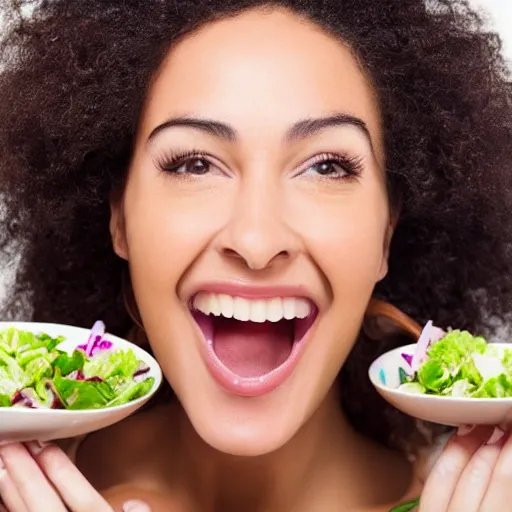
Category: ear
[390,229]
[118,227]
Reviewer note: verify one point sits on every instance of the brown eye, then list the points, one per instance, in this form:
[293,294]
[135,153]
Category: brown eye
[186,163]
[328,168]
[335,166]
[195,166]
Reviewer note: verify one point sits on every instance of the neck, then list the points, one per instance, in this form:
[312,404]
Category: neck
[326,460]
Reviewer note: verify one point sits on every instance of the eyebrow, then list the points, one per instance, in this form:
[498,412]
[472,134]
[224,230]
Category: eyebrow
[301,130]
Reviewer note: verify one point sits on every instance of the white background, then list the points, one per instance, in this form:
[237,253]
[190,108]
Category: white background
[499,14]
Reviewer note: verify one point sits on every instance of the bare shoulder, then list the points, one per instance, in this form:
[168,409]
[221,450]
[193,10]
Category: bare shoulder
[125,452]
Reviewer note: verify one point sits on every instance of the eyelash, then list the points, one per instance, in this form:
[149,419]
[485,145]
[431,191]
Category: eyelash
[352,165]
[171,161]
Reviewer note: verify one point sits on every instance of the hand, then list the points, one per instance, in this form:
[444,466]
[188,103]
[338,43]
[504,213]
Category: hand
[473,474]
[41,478]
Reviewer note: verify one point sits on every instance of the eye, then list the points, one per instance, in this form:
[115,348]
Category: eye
[185,163]
[328,168]
[196,166]
[335,166]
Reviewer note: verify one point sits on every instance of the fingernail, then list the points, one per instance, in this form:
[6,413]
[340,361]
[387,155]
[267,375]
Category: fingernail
[135,506]
[36,447]
[464,430]
[496,436]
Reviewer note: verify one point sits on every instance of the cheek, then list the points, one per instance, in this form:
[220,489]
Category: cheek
[345,236]
[167,229]
[350,252]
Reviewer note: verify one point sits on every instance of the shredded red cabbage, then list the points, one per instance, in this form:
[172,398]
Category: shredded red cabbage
[429,335]
[407,358]
[96,341]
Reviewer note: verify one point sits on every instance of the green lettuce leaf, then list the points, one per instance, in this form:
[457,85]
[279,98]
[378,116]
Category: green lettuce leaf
[37,369]
[495,387]
[434,376]
[15,341]
[25,357]
[507,361]
[109,364]
[69,363]
[450,360]
[469,372]
[461,388]
[43,390]
[9,341]
[412,387]
[456,348]
[12,370]
[131,391]
[82,394]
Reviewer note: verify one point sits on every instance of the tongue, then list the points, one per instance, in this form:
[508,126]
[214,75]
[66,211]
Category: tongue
[252,349]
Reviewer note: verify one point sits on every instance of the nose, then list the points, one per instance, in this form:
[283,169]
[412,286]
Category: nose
[257,233]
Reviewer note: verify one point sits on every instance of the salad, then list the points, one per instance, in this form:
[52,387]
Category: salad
[35,374]
[458,364]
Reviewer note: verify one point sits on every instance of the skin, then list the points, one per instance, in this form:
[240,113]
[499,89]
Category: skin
[275,222]
[262,215]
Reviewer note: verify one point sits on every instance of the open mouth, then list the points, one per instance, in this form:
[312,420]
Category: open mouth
[252,344]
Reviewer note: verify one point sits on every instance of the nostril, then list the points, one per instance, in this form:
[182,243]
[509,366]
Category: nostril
[281,255]
[231,253]
[256,261]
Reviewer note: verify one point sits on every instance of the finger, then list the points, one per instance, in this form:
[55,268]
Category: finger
[506,424]
[10,500]
[30,482]
[75,490]
[442,481]
[499,492]
[464,430]
[135,506]
[476,477]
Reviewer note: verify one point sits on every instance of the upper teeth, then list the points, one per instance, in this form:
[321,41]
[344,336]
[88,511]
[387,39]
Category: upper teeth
[254,310]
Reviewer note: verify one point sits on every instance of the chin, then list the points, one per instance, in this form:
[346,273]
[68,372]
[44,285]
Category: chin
[244,431]
[241,367]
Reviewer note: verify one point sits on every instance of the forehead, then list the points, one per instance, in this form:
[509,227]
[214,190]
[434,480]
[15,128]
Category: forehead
[261,70]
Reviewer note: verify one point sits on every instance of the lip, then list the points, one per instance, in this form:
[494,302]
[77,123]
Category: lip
[249,386]
[229,381]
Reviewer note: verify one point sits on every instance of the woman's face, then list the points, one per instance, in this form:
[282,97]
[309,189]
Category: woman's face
[255,223]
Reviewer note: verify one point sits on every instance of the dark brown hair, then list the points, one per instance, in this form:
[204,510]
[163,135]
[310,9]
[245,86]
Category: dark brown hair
[72,82]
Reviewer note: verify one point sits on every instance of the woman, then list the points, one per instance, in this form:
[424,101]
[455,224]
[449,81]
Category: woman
[241,178]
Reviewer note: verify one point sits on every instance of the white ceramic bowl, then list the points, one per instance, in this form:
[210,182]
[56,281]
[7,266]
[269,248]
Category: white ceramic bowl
[445,410]
[19,424]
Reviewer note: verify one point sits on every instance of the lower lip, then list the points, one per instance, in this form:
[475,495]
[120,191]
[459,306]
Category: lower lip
[250,386]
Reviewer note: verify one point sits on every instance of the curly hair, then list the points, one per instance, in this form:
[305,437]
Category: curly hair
[72,85]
